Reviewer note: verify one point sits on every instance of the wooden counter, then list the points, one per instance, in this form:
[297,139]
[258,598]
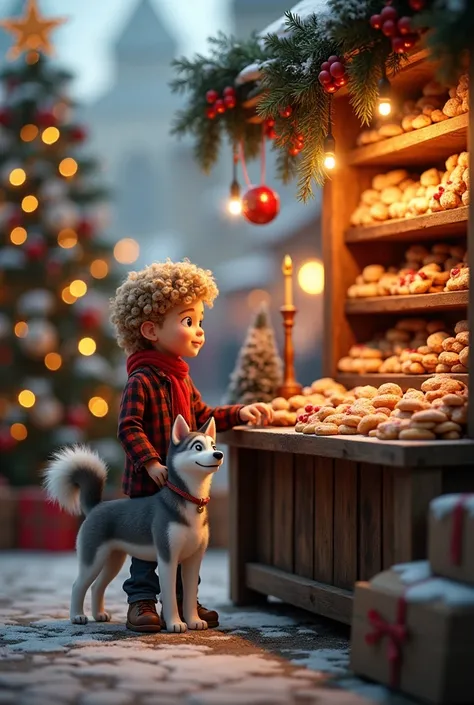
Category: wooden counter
[311,515]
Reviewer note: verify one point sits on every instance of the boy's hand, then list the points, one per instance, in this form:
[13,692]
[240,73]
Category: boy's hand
[157,472]
[257,414]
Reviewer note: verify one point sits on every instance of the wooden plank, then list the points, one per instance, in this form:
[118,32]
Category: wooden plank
[264,519]
[428,145]
[323,520]
[345,523]
[388,509]
[243,510]
[413,493]
[470,250]
[370,521]
[326,600]
[444,301]
[283,512]
[445,223]
[304,515]
[350,379]
[402,454]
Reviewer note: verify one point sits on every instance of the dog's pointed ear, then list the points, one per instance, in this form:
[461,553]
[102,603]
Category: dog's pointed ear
[180,430]
[209,428]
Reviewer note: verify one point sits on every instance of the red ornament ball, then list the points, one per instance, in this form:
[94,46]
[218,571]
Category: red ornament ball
[294,151]
[229,90]
[417,5]
[389,28]
[341,81]
[269,122]
[77,416]
[211,112]
[230,101]
[325,66]
[337,69]
[404,25]
[410,40]
[271,133]
[398,45]
[90,318]
[286,112]
[330,88]
[260,205]
[388,13]
[332,59]
[220,106]
[212,96]
[324,78]
[376,21]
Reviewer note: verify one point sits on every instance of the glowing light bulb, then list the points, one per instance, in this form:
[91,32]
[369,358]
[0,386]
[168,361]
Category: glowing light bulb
[329,160]
[67,238]
[18,431]
[21,329]
[29,204]
[50,135]
[87,346]
[126,251]
[17,177]
[311,277]
[26,398]
[67,297]
[234,206]
[68,167]
[98,407]
[53,361]
[78,288]
[18,236]
[384,107]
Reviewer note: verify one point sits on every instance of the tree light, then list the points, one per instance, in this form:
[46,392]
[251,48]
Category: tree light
[329,160]
[26,398]
[67,297]
[29,132]
[18,236]
[384,105]
[311,277]
[53,361]
[17,177]
[29,204]
[87,346]
[78,288]
[50,135]
[98,407]
[234,204]
[67,167]
[329,152]
[18,431]
[21,329]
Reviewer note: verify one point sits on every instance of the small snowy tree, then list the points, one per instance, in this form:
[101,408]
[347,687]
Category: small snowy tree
[258,370]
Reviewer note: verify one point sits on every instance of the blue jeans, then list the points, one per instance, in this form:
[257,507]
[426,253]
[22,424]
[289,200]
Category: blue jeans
[144,583]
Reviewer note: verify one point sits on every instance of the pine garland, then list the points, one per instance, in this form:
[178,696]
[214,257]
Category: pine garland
[215,72]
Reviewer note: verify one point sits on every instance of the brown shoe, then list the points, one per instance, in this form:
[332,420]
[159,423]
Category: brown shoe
[209,616]
[143,617]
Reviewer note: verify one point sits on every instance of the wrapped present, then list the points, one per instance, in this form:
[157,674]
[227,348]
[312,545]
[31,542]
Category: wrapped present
[414,632]
[8,517]
[451,536]
[42,525]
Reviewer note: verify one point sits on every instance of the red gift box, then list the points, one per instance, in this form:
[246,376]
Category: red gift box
[43,525]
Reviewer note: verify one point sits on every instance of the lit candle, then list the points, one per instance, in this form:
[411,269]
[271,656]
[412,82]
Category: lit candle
[287,269]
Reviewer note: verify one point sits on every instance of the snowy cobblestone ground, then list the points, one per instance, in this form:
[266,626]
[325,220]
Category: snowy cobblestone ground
[270,656]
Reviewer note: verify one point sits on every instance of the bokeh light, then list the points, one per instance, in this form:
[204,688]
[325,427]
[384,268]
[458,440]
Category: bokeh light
[311,277]
[127,250]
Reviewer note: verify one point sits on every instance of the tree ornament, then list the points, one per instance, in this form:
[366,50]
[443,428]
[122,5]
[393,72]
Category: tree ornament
[260,205]
[389,28]
[324,77]
[376,21]
[410,40]
[337,69]
[31,31]
[404,25]
[332,59]
[398,45]
[385,95]
[329,143]
[212,96]
[211,112]
[286,112]
[325,66]
[417,5]
[77,416]
[220,106]
[90,318]
[229,91]
[230,101]
[388,13]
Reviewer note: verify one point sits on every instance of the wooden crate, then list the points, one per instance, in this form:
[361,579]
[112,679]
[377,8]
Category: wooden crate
[310,515]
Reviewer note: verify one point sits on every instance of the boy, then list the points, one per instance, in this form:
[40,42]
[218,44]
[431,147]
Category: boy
[158,314]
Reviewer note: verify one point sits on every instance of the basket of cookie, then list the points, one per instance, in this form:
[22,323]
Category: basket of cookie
[436,411]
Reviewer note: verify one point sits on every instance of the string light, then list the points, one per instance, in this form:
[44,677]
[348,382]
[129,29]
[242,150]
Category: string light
[18,236]
[98,407]
[17,177]
[234,204]
[67,297]
[78,288]
[29,204]
[384,104]
[87,346]
[126,251]
[26,398]
[67,167]
[99,268]
[329,143]
[50,135]
[18,431]
[21,329]
[67,238]
[53,361]
[29,132]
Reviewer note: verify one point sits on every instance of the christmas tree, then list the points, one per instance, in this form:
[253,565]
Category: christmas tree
[258,370]
[60,368]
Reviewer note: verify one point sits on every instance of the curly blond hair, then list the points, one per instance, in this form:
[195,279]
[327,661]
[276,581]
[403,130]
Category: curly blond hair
[149,294]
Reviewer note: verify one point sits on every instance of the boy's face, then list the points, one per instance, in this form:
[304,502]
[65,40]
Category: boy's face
[181,333]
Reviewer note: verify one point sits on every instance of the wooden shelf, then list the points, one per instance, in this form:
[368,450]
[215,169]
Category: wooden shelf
[452,223]
[404,454]
[445,301]
[351,379]
[429,145]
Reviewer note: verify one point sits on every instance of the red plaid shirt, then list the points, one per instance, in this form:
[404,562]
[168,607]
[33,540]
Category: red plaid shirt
[145,421]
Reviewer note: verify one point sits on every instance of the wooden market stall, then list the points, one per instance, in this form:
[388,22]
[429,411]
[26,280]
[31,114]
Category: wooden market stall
[312,515]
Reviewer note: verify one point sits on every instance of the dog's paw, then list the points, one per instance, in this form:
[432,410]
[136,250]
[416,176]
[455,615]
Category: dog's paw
[79,619]
[102,617]
[177,627]
[198,624]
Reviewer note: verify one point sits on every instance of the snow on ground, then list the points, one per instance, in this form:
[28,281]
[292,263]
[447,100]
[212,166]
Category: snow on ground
[269,655]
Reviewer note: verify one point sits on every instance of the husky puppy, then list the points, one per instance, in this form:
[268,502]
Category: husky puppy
[170,526]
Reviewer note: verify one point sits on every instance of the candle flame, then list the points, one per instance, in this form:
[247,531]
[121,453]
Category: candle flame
[287,267]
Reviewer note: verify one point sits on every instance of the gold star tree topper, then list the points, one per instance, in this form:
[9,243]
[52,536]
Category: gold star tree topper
[31,31]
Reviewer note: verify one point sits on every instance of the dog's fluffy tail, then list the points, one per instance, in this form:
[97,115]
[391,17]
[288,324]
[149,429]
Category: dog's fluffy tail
[75,479]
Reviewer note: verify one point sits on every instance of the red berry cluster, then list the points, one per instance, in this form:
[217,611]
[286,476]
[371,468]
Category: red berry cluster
[333,74]
[269,127]
[219,105]
[399,29]
[309,409]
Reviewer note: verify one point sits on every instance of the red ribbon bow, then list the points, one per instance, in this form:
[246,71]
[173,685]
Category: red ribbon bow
[397,634]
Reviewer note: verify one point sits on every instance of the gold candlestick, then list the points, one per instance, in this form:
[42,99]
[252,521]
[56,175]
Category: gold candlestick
[290,386]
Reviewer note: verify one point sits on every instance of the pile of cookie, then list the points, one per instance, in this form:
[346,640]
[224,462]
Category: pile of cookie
[321,391]
[399,194]
[437,103]
[442,268]
[414,346]
[437,411]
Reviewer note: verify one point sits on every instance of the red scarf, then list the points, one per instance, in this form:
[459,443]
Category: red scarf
[175,368]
